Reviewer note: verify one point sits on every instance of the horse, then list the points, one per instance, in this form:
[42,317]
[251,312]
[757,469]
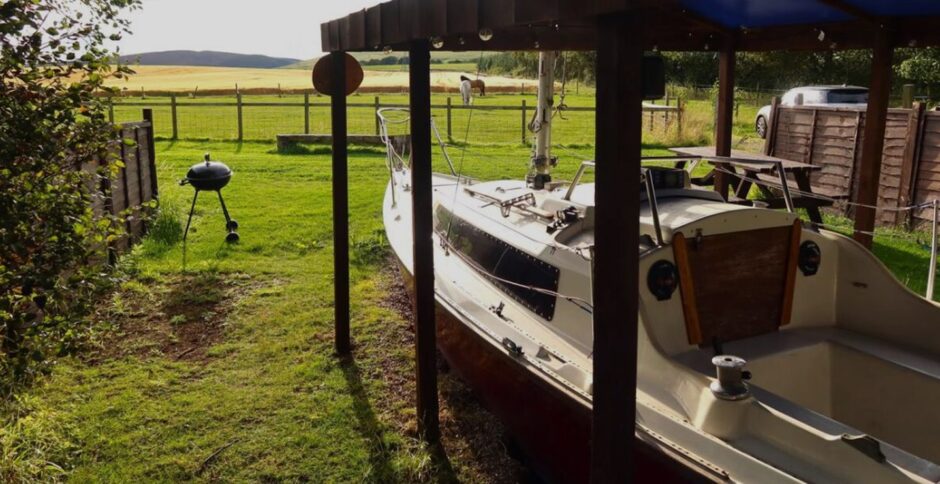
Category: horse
[466,91]
[475,84]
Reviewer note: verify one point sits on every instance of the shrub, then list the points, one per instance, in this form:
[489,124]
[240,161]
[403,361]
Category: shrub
[53,63]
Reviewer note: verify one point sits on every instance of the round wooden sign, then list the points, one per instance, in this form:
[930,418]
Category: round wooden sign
[323,75]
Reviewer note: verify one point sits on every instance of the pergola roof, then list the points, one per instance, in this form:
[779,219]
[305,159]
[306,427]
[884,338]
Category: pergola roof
[751,25]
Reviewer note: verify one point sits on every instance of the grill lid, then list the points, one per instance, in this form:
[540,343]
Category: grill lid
[208,175]
[208,170]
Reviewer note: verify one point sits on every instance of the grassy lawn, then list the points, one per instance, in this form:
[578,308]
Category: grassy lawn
[216,364]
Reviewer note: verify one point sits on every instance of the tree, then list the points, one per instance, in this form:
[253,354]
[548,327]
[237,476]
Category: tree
[54,61]
[921,66]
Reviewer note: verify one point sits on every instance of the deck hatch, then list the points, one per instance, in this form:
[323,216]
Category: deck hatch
[737,285]
[521,276]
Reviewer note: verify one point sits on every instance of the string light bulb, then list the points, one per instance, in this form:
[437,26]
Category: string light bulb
[486,34]
[437,42]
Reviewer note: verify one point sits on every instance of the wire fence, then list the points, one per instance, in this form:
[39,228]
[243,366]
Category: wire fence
[263,118]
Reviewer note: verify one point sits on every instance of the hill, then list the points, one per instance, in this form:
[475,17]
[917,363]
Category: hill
[206,58]
[363,57]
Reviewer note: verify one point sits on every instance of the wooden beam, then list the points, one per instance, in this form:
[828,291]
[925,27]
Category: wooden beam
[423,248]
[724,120]
[340,206]
[615,259]
[873,143]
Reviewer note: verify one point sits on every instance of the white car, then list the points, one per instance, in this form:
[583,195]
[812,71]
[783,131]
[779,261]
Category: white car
[832,96]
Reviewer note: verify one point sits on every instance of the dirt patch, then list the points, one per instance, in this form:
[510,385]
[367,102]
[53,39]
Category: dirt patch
[176,316]
[471,435]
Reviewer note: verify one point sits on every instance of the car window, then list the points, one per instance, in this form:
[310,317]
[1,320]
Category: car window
[848,96]
[814,97]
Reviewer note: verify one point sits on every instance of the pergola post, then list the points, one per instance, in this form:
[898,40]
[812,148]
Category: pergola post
[425,337]
[724,121]
[873,143]
[340,204]
[615,259]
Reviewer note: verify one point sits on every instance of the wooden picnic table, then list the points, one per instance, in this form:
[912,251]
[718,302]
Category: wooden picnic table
[763,168]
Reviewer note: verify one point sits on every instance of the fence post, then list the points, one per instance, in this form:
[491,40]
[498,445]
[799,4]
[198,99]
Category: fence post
[450,133]
[241,131]
[907,96]
[173,117]
[306,113]
[523,121]
[377,106]
[680,107]
[152,157]
[111,110]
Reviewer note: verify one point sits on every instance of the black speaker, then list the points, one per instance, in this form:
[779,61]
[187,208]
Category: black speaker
[654,77]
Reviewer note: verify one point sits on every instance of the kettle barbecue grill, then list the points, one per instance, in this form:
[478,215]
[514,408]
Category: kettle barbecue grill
[210,176]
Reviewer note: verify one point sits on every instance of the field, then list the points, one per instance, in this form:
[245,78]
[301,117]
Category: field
[188,79]
[215,362]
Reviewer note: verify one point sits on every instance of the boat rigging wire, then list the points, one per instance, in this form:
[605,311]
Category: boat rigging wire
[463,151]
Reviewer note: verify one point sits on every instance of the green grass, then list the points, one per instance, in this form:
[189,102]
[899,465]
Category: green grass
[270,402]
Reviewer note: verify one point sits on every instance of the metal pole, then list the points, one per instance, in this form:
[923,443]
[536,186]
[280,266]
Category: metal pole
[111,110]
[932,273]
[654,207]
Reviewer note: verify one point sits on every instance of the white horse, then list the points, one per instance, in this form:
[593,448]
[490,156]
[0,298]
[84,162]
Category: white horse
[466,91]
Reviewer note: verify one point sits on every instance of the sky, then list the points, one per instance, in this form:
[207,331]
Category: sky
[278,28]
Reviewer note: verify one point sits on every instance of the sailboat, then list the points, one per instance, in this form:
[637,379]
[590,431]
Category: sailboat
[769,350]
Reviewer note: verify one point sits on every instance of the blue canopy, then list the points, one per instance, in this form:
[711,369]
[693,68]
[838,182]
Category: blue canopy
[769,13]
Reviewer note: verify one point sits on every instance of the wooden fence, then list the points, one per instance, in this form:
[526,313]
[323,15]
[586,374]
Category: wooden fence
[832,139]
[135,184]
[655,115]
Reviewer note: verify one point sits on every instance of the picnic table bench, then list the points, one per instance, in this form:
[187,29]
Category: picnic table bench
[761,170]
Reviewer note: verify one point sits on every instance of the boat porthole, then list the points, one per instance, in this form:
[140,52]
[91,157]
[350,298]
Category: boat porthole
[810,258]
[662,280]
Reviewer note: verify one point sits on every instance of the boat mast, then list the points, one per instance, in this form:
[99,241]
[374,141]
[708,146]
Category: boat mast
[542,162]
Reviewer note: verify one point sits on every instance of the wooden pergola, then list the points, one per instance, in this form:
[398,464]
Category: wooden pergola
[620,31]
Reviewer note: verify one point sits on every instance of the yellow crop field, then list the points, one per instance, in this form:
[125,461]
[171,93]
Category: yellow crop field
[187,79]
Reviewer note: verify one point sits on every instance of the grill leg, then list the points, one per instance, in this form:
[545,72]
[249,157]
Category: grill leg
[230,224]
[190,219]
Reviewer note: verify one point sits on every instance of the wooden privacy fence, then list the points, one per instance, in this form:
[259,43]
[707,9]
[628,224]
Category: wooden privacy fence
[135,184]
[832,138]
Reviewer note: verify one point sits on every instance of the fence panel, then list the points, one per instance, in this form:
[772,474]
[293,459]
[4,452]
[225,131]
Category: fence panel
[832,138]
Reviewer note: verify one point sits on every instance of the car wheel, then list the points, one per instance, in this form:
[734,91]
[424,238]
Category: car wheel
[761,126]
